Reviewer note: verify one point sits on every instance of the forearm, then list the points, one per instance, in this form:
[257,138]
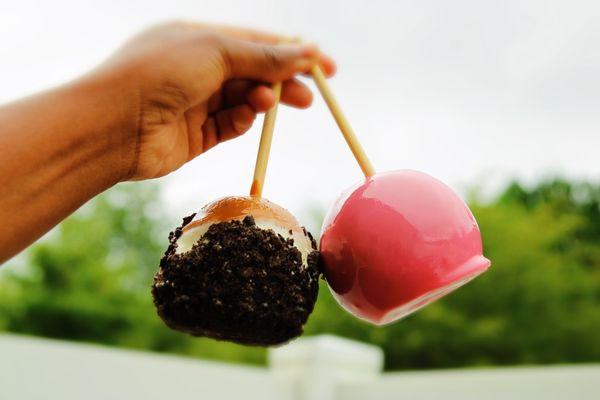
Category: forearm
[59,149]
[168,95]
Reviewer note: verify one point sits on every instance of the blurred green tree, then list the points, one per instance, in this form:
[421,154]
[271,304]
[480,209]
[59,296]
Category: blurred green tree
[539,303]
[89,280]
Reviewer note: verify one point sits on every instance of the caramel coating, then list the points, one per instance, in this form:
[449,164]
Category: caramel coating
[237,207]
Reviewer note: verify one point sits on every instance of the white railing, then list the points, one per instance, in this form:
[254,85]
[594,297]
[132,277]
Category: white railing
[317,368]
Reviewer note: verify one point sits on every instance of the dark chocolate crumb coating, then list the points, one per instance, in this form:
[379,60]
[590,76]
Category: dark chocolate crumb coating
[239,283]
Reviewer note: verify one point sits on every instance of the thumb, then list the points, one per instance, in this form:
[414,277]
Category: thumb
[269,63]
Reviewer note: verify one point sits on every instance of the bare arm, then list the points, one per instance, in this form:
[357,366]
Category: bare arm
[169,95]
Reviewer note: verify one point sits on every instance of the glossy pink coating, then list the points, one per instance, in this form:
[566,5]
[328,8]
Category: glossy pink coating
[397,242]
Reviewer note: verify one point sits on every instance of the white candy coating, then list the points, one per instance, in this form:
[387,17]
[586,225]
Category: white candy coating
[267,216]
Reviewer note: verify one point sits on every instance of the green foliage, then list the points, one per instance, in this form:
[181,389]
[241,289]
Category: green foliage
[90,278]
[539,303]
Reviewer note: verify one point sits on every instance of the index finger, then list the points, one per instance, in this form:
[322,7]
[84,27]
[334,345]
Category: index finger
[253,35]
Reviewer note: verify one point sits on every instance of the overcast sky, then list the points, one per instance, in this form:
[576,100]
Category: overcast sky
[472,92]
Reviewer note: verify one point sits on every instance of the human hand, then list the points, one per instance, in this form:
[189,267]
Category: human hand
[189,87]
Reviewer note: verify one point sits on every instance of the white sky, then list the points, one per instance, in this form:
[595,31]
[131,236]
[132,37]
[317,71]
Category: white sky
[471,92]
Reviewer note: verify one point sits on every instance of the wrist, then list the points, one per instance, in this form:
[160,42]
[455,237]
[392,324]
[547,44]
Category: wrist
[112,101]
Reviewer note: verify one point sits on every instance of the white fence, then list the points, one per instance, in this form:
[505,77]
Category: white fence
[319,368]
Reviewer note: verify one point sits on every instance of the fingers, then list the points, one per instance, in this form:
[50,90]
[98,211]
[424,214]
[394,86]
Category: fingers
[233,111]
[234,121]
[325,62]
[227,124]
[255,54]
[296,94]
[259,96]
[239,91]
[327,65]
[239,33]
[258,36]
[268,63]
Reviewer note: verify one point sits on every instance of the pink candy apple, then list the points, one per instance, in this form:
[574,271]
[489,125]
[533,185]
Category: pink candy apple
[397,242]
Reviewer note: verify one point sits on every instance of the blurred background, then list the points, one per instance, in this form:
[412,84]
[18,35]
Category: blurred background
[498,99]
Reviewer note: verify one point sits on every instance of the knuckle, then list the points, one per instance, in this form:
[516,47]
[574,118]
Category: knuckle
[271,58]
[213,39]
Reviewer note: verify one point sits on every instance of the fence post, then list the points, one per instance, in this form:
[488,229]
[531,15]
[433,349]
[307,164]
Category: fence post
[315,366]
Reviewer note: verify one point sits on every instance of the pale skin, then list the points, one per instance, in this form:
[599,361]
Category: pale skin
[167,96]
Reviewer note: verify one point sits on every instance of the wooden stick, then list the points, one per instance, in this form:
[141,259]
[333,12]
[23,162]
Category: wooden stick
[342,122]
[266,137]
